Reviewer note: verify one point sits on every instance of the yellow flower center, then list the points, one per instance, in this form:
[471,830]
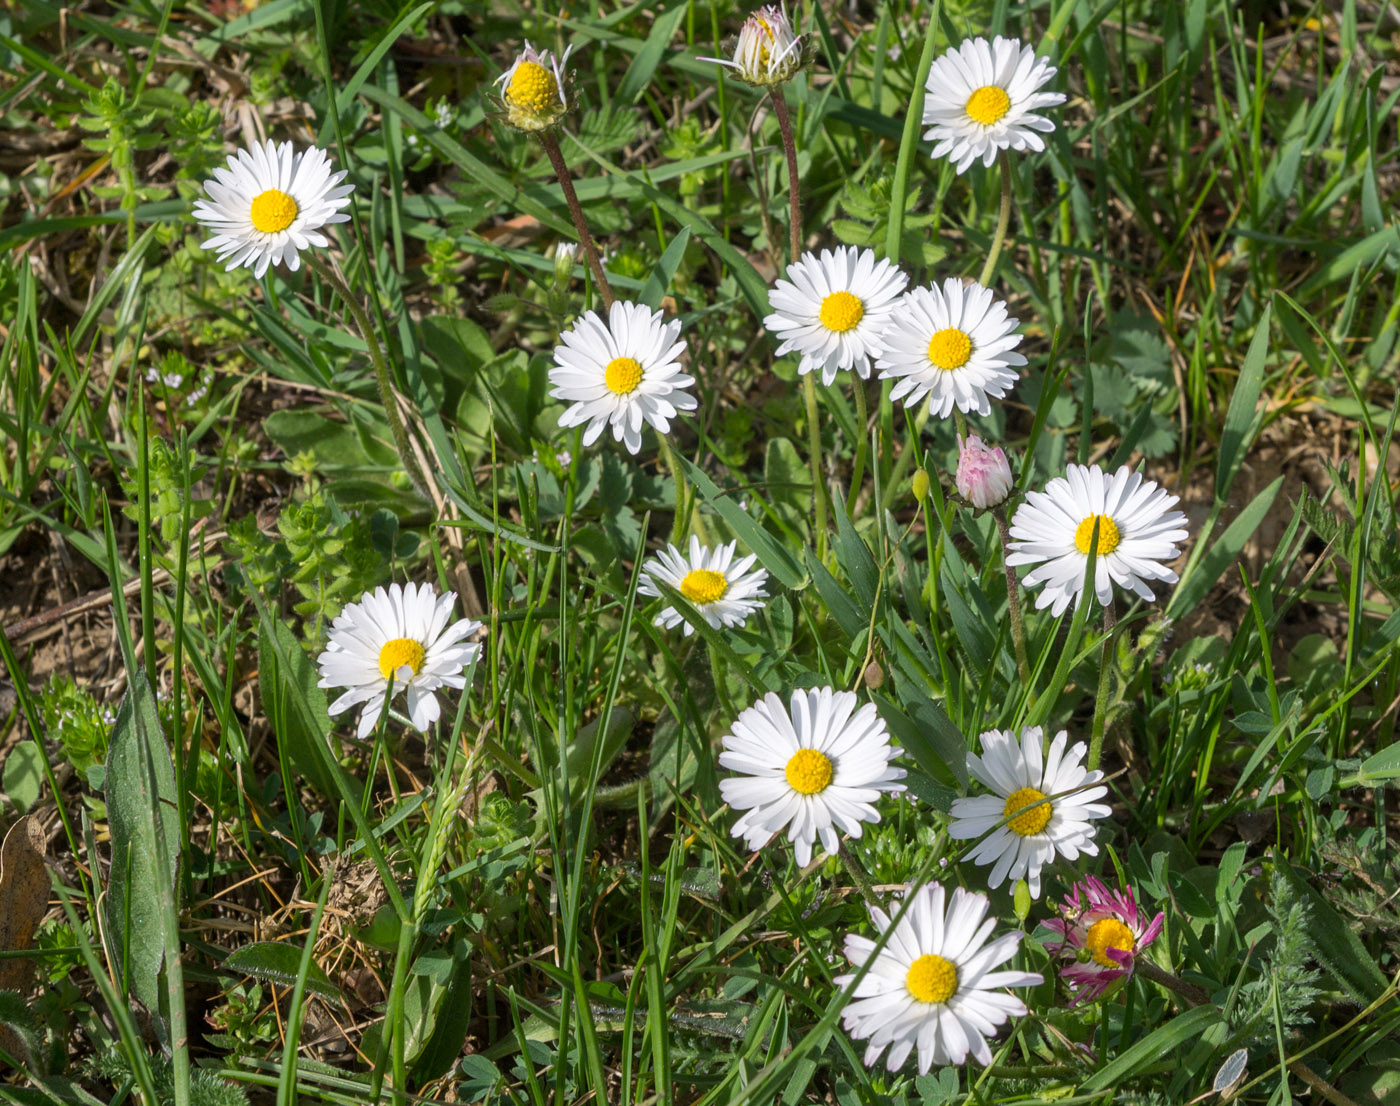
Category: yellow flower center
[1031,820]
[399,652]
[950,348]
[988,104]
[273,211]
[703,586]
[622,375]
[533,89]
[932,979]
[841,311]
[764,51]
[1108,933]
[808,772]
[1109,537]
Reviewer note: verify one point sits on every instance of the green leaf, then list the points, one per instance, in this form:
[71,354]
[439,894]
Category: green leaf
[1203,575]
[145,840]
[1384,765]
[1177,1033]
[24,776]
[772,554]
[1239,419]
[281,964]
[657,46]
[661,276]
[1336,945]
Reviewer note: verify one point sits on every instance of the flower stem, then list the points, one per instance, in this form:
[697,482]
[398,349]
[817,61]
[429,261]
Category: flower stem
[387,396]
[1101,699]
[686,516]
[858,877]
[566,182]
[814,457]
[1013,598]
[780,109]
[862,440]
[1003,221]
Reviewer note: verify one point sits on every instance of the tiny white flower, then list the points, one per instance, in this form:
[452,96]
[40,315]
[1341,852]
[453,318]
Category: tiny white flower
[268,204]
[954,344]
[834,309]
[722,590]
[816,768]
[766,52]
[443,115]
[1054,530]
[1042,805]
[932,985]
[534,90]
[983,97]
[622,373]
[400,634]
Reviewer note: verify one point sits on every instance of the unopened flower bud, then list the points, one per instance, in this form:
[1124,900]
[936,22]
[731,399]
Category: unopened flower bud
[918,484]
[766,51]
[564,263]
[984,475]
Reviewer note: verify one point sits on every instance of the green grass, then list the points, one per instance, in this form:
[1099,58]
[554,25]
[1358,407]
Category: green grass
[542,901]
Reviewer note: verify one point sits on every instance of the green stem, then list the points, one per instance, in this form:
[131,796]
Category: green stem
[989,267]
[862,440]
[687,516]
[1105,672]
[814,457]
[1013,599]
[387,397]
[858,877]
[566,183]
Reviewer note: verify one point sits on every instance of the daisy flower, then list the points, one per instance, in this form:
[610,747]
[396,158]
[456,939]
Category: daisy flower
[1101,933]
[267,204]
[932,984]
[624,372]
[724,591]
[1040,806]
[766,52]
[983,97]
[816,768]
[1137,531]
[533,89]
[401,635]
[955,345]
[833,309]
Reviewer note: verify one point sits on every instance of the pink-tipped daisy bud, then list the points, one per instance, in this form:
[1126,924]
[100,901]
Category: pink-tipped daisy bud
[984,475]
[767,51]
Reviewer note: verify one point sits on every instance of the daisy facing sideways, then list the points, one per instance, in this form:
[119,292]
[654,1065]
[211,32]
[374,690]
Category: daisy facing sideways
[1042,805]
[399,634]
[932,985]
[955,344]
[766,51]
[816,768]
[984,97]
[833,309]
[724,591]
[623,373]
[1101,933]
[268,204]
[1054,530]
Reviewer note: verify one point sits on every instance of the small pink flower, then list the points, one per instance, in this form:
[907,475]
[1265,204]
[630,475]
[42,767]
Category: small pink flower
[984,475]
[1101,933]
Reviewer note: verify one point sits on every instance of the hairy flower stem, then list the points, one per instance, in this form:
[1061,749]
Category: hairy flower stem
[387,397]
[687,515]
[1013,599]
[1110,620]
[862,441]
[809,385]
[858,877]
[566,183]
[989,267]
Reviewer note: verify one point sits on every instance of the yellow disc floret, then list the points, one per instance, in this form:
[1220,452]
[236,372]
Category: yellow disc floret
[988,104]
[950,348]
[1026,821]
[533,89]
[704,586]
[809,772]
[932,979]
[399,652]
[622,375]
[841,311]
[1108,933]
[273,211]
[1109,537]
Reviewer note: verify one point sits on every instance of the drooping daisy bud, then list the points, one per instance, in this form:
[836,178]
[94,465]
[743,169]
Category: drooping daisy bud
[533,89]
[984,476]
[766,51]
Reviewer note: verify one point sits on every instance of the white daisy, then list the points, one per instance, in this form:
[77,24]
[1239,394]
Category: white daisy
[1040,807]
[534,89]
[626,371]
[955,345]
[267,204]
[766,52]
[1137,531]
[983,97]
[724,591]
[399,634]
[833,310]
[818,768]
[932,985]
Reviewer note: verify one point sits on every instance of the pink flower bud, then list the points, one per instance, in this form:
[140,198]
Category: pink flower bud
[984,475]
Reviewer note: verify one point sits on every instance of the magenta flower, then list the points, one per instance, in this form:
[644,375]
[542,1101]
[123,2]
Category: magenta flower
[1101,933]
[984,475]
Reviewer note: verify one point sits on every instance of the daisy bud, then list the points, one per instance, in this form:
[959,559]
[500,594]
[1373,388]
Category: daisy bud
[564,254]
[984,475]
[766,51]
[918,484]
[532,89]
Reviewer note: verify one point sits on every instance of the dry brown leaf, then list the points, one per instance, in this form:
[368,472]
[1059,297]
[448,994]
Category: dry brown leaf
[24,897]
